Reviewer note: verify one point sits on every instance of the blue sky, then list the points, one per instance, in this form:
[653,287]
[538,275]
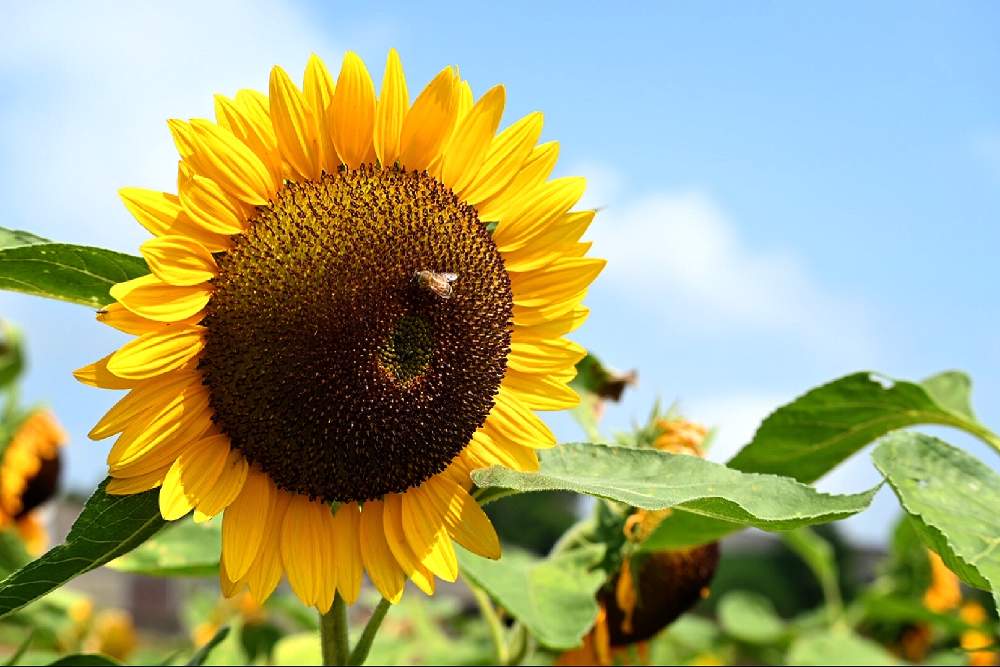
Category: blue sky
[792,191]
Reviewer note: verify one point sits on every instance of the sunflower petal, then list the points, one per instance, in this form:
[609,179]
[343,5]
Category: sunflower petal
[178,260]
[155,394]
[392,521]
[557,282]
[506,154]
[157,353]
[98,375]
[243,523]
[532,173]
[209,207]
[306,551]
[533,213]
[429,121]
[540,392]
[393,103]
[161,214]
[467,148]
[483,451]
[192,475]
[464,519]
[352,115]
[147,296]
[265,573]
[226,488]
[219,155]
[127,486]
[544,356]
[251,125]
[347,550]
[294,125]
[425,530]
[317,89]
[513,421]
[382,567]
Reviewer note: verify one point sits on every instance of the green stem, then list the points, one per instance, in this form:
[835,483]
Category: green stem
[333,633]
[364,645]
[489,613]
[520,645]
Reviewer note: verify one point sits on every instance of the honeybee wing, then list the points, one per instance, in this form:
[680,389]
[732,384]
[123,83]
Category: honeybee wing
[450,277]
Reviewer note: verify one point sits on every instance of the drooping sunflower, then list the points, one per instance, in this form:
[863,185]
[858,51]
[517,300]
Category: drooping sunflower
[353,302]
[29,475]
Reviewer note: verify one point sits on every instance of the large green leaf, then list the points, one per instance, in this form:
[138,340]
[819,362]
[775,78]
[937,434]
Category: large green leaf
[813,434]
[79,274]
[952,498]
[650,479]
[750,617]
[183,549]
[554,598]
[108,527]
[838,647]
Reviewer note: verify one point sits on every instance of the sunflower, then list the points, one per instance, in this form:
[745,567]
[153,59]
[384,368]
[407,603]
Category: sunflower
[353,302]
[29,476]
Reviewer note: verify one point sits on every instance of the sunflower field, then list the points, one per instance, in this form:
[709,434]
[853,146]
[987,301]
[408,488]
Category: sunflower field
[345,407]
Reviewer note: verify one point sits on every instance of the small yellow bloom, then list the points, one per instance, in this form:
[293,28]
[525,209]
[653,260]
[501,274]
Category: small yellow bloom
[944,592]
[971,640]
[113,634]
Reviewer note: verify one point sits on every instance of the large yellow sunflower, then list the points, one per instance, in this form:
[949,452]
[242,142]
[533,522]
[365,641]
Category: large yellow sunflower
[29,476]
[354,301]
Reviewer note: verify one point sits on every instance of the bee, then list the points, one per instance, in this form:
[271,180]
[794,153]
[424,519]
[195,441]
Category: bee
[439,283]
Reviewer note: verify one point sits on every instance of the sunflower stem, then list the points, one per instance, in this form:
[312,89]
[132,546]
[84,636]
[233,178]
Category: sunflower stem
[364,645]
[333,633]
[489,613]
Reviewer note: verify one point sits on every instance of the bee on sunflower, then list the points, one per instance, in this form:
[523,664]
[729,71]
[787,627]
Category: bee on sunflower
[353,301]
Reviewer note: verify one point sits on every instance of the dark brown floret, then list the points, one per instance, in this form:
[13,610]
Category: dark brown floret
[328,363]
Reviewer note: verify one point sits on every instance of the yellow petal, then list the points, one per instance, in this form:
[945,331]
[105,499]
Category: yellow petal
[211,208]
[506,154]
[544,356]
[317,88]
[306,551]
[265,573]
[556,282]
[429,121]
[178,260]
[424,528]
[532,173]
[558,240]
[392,521]
[161,214]
[219,155]
[534,316]
[467,148]
[156,394]
[294,125]
[157,438]
[393,103]
[464,519]
[512,421]
[119,317]
[192,475]
[352,115]
[383,570]
[150,297]
[156,353]
[347,551]
[98,375]
[244,522]
[540,392]
[126,486]
[252,126]
[483,451]
[226,489]
[570,321]
[533,213]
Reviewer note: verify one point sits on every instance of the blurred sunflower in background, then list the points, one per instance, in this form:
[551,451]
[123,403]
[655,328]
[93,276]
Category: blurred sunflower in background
[29,474]
[353,302]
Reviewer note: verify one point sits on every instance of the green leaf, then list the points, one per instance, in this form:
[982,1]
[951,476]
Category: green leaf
[554,598]
[651,479]
[202,654]
[750,617]
[952,498]
[108,527]
[79,274]
[183,549]
[85,660]
[13,554]
[11,353]
[818,554]
[838,647]
[813,434]
[594,377]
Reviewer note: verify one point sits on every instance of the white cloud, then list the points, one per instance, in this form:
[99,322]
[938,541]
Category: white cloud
[679,252]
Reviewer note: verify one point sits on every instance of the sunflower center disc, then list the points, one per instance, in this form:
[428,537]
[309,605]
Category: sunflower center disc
[358,333]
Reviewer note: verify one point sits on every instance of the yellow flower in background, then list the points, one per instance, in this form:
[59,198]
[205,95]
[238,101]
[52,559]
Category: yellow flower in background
[971,640]
[29,476]
[354,301]
[944,592]
[113,634]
